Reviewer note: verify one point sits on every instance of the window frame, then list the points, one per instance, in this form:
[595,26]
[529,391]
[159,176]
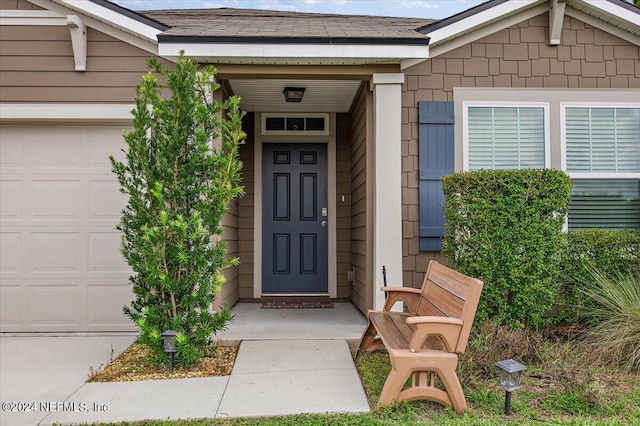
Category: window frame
[505,104]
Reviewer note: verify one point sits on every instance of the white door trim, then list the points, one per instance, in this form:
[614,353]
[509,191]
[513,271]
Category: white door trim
[330,140]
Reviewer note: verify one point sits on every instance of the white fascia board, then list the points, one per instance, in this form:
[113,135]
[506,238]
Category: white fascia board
[243,50]
[106,15]
[49,112]
[479,19]
[32,18]
[614,10]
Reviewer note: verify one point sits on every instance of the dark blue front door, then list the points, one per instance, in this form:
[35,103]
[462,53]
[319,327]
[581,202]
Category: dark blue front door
[294,218]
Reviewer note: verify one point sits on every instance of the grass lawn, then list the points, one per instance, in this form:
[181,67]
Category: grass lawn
[566,383]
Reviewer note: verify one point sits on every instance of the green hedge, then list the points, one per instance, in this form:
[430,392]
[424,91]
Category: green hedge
[609,252]
[505,228]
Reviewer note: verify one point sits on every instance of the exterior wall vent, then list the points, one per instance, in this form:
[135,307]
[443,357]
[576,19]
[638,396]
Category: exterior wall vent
[295,123]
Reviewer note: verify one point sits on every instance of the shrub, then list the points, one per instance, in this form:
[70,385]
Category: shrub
[505,228]
[179,184]
[614,318]
[609,252]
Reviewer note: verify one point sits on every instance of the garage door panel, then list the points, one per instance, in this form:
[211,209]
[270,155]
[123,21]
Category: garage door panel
[52,252]
[11,148]
[104,253]
[105,200]
[55,150]
[10,200]
[60,199]
[11,306]
[104,304]
[54,305]
[102,146]
[11,249]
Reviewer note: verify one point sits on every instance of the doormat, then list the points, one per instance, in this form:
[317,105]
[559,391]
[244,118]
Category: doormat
[298,305]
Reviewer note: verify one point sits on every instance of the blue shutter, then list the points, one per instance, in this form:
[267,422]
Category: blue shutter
[436,160]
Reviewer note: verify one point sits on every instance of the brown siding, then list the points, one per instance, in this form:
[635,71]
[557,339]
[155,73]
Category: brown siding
[18,5]
[359,293]
[343,207]
[37,66]
[245,210]
[514,57]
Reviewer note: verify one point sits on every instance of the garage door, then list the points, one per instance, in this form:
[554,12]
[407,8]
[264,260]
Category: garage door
[60,265]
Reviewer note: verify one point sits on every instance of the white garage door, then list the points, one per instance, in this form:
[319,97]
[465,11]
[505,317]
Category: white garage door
[60,265]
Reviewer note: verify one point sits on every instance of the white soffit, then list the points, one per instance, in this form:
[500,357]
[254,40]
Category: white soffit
[610,13]
[319,96]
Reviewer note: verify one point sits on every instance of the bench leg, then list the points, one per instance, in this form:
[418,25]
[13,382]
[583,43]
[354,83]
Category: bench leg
[404,364]
[368,342]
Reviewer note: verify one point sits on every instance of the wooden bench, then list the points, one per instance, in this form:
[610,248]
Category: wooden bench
[425,341]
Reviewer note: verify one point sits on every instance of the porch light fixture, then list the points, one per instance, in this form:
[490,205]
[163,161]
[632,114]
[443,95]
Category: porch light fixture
[293,94]
[510,378]
[169,337]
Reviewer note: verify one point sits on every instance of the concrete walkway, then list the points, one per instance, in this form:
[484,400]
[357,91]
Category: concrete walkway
[44,378]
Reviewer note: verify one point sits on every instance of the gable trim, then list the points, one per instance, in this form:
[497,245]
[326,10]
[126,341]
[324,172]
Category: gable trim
[106,21]
[497,10]
[488,30]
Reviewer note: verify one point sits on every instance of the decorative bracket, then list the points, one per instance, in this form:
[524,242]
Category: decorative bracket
[78,31]
[556,17]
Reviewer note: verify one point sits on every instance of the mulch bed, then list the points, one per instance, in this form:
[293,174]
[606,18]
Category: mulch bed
[133,364]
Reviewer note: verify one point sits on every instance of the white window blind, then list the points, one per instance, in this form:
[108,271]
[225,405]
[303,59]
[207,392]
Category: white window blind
[601,140]
[506,137]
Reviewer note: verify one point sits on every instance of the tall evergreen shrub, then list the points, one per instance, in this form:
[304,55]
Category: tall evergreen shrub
[505,228]
[179,179]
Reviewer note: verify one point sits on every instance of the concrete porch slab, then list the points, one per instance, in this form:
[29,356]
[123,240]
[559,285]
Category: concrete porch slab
[251,322]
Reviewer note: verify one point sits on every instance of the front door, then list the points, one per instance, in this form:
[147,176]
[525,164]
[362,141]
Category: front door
[294,218]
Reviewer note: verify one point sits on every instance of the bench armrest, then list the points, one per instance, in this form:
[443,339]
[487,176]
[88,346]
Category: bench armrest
[448,329]
[408,295]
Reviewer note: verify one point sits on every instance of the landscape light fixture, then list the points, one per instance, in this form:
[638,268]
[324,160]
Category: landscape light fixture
[169,337]
[293,94]
[510,378]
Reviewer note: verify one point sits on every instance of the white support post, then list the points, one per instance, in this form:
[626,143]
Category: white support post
[387,215]
[79,40]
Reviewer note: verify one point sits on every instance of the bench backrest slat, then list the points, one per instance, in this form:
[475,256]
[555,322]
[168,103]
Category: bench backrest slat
[449,293]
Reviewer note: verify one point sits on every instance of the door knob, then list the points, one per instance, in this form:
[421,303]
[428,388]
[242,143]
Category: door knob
[324,223]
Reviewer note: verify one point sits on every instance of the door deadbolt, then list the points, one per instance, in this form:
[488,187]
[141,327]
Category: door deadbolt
[325,213]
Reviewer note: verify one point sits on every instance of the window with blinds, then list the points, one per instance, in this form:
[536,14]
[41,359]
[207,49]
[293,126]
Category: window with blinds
[603,140]
[505,137]
[605,143]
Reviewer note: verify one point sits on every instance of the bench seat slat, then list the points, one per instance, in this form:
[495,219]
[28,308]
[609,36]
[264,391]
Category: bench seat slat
[396,333]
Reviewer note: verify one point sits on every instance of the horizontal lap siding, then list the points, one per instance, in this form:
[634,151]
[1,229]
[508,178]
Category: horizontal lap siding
[361,292]
[343,207]
[514,57]
[37,65]
[18,5]
[245,211]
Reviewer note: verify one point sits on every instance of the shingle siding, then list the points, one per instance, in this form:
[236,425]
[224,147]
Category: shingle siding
[518,56]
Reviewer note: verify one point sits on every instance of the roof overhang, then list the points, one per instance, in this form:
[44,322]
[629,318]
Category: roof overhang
[294,52]
[615,16]
[110,19]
